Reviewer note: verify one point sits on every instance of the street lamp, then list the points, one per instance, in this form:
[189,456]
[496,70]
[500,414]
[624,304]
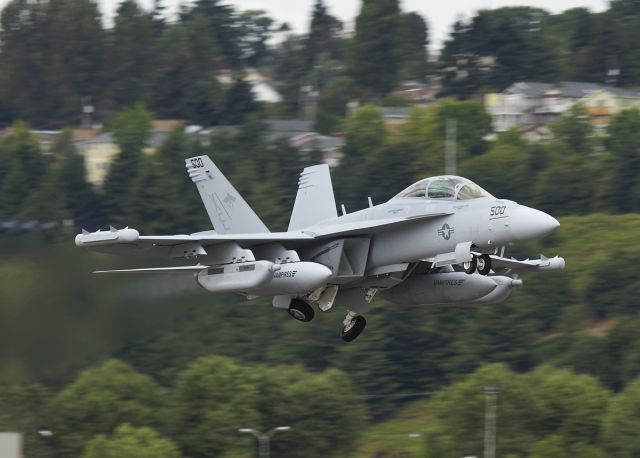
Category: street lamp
[264,439]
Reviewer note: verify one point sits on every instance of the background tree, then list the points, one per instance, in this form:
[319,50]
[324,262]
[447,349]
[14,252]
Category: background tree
[99,400]
[130,442]
[131,129]
[288,394]
[414,49]
[624,146]
[75,49]
[374,54]
[256,28]
[514,36]
[131,55]
[23,410]
[365,133]
[620,423]
[323,35]
[213,397]
[240,104]
[23,167]
[332,105]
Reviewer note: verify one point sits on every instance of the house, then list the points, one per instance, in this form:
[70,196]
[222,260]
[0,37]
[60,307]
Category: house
[525,104]
[329,147]
[394,117]
[300,135]
[98,151]
[262,87]
[416,92]
[287,128]
[600,105]
[559,98]
[99,148]
[514,106]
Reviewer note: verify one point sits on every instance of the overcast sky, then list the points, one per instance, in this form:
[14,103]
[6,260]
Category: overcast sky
[439,14]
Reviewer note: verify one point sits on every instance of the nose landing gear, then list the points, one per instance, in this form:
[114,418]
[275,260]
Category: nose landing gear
[484,264]
[481,264]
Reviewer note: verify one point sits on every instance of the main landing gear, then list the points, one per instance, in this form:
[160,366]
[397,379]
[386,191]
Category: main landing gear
[480,263]
[300,310]
[353,325]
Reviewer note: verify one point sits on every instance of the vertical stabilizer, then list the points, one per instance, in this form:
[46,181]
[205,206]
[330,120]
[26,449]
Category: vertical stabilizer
[228,211]
[315,201]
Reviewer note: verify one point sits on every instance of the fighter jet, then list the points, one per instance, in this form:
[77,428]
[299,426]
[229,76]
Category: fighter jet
[440,241]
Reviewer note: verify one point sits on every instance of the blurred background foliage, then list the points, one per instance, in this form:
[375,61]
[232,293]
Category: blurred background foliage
[131,367]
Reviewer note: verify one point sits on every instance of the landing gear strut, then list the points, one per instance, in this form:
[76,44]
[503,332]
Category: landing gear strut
[300,310]
[353,326]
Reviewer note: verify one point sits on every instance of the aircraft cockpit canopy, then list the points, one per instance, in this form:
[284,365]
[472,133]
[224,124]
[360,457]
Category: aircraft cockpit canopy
[447,187]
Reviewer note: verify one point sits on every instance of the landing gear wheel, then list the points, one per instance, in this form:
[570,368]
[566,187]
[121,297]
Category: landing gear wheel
[484,264]
[470,266]
[353,329]
[300,310]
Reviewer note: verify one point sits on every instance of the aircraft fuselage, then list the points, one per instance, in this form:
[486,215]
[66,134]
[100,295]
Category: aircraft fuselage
[488,222]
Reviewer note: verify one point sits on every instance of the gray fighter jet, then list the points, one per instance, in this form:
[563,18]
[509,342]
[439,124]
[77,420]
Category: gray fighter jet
[440,241]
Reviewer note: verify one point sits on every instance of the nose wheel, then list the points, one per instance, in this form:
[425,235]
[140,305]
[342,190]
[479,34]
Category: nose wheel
[484,264]
[353,327]
[470,266]
[300,310]
[481,264]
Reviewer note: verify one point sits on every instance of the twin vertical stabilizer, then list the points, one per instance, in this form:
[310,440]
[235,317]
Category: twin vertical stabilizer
[315,201]
[228,211]
[230,214]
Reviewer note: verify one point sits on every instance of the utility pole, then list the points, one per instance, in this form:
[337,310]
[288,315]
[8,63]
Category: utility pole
[264,439]
[490,417]
[450,158]
[87,112]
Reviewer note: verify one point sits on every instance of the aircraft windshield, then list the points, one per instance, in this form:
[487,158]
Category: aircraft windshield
[445,187]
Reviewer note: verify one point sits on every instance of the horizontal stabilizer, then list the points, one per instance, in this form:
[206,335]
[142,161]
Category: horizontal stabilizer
[196,268]
[315,201]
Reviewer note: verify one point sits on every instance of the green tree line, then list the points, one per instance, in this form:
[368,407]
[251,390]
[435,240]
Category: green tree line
[58,56]
[544,413]
[574,171]
[111,410]
[532,44]
[584,319]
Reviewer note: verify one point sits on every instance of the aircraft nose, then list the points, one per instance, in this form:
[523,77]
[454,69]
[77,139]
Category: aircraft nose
[529,223]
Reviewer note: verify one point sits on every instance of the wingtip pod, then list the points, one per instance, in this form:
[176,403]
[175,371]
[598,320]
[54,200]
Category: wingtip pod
[556,263]
[126,235]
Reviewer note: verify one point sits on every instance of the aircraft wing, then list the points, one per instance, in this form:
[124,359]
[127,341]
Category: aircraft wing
[512,265]
[155,270]
[128,242]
